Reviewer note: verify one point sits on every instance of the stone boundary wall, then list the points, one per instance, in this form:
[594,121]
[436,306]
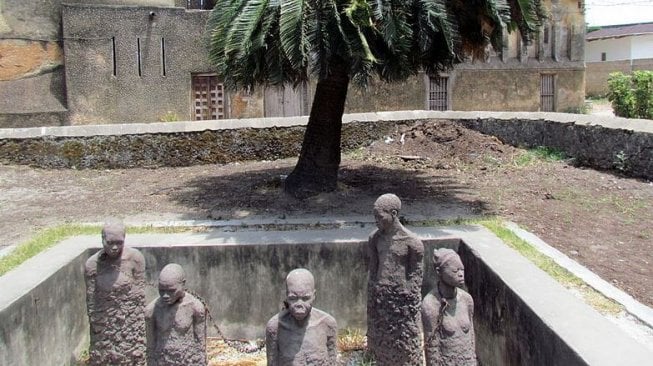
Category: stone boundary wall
[593,141]
[596,73]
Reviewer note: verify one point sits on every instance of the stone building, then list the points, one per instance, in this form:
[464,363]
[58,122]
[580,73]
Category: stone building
[115,61]
[617,48]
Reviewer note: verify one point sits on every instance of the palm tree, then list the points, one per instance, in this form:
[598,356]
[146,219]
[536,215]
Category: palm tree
[274,42]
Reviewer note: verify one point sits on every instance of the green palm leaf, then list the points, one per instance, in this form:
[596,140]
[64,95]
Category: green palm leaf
[292,32]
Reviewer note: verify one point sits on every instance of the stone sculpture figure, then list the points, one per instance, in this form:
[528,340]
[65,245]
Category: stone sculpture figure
[447,315]
[394,288]
[115,298]
[301,335]
[176,323]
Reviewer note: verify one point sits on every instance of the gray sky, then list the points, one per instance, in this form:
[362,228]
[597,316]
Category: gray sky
[610,12]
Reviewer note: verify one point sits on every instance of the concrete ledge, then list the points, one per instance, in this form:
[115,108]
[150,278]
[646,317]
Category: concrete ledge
[633,307]
[639,125]
[522,316]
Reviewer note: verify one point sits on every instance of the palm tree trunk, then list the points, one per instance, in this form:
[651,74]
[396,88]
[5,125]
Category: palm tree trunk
[317,168]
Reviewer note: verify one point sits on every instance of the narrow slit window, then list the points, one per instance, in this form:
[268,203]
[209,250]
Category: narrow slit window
[113,56]
[138,56]
[163,56]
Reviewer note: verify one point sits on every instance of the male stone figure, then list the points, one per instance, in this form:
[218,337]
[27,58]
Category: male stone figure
[115,299]
[447,315]
[300,335]
[394,288]
[176,323]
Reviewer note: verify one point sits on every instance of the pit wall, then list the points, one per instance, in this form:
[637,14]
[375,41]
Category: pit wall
[593,141]
[522,316]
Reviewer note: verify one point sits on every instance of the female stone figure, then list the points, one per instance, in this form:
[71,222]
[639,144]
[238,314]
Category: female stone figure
[447,315]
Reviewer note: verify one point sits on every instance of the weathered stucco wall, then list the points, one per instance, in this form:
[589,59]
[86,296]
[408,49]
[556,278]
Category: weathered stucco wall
[598,73]
[520,88]
[101,38]
[382,96]
[31,59]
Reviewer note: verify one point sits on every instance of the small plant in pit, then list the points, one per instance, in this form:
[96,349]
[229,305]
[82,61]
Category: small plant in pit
[621,162]
[540,153]
[351,339]
[169,116]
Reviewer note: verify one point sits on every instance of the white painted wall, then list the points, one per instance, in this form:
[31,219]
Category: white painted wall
[642,46]
[615,49]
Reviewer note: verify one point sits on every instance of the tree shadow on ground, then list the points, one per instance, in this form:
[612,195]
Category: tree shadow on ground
[259,193]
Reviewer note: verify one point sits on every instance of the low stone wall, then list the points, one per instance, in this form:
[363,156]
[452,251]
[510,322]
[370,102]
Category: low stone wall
[627,150]
[598,142]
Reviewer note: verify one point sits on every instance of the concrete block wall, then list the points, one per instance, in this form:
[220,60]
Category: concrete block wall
[522,316]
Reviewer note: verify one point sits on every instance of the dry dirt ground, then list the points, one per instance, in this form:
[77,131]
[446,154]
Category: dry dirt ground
[439,169]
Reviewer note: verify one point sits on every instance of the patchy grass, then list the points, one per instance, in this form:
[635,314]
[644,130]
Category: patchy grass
[630,208]
[48,237]
[41,241]
[355,154]
[538,154]
[560,274]
[351,339]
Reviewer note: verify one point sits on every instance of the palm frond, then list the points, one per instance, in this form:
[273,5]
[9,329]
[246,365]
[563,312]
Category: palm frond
[220,19]
[292,32]
[526,15]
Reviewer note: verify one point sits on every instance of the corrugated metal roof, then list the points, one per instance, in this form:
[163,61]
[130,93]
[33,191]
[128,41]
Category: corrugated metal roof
[620,31]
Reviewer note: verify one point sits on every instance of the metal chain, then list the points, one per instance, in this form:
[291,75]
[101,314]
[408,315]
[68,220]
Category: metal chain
[233,343]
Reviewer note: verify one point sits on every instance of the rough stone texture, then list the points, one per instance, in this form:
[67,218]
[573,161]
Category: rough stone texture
[174,149]
[394,288]
[447,315]
[176,323]
[115,296]
[301,335]
[590,145]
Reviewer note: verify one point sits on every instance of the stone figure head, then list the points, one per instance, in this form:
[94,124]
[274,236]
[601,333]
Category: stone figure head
[113,238]
[386,211]
[300,293]
[172,283]
[449,267]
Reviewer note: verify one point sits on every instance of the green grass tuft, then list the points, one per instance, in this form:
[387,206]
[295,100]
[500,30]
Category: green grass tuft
[43,240]
[538,154]
[48,237]
[548,265]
